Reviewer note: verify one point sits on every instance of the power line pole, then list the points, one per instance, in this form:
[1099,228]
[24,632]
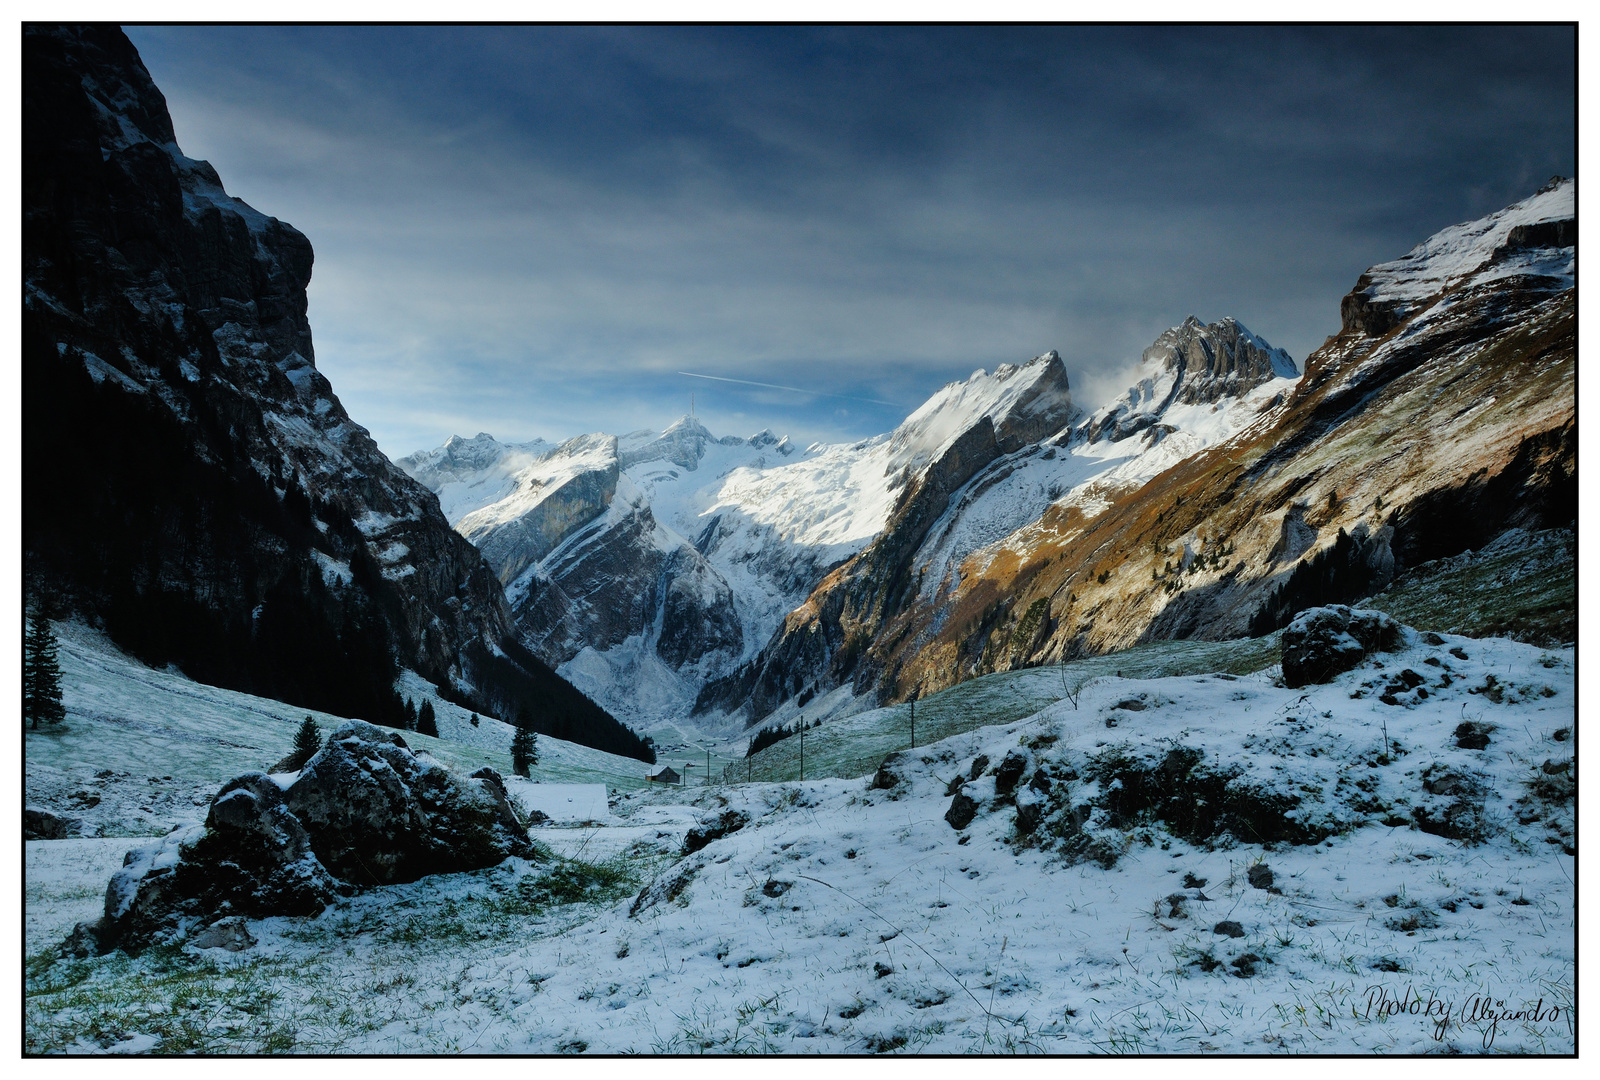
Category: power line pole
[913,721]
[802,748]
[708,766]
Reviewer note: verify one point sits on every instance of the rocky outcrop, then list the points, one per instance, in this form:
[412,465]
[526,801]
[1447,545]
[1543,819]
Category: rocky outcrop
[1323,642]
[376,813]
[1191,364]
[190,478]
[364,811]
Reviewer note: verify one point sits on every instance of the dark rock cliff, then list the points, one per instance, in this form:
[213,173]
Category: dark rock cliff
[190,478]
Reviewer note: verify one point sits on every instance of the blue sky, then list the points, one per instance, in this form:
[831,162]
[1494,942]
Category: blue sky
[531,230]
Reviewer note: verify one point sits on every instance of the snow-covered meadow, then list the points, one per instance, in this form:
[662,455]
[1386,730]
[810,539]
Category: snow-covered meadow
[848,918]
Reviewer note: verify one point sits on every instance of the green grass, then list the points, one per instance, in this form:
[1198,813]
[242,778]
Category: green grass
[1529,595]
[374,965]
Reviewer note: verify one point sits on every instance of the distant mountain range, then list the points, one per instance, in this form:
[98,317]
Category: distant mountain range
[1001,525]
[192,483]
[650,567]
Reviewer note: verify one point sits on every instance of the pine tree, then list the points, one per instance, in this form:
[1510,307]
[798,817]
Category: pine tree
[474,719]
[426,724]
[411,715]
[524,745]
[307,741]
[41,676]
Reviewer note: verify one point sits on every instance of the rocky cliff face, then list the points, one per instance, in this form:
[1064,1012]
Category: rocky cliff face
[190,476]
[1441,415]
[1191,364]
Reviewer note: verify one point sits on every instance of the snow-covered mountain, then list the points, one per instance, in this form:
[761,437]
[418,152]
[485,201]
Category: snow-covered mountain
[1440,417]
[215,506]
[654,568]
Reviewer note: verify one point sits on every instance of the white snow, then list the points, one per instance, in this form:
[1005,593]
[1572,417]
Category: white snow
[1464,255]
[843,919]
[565,803]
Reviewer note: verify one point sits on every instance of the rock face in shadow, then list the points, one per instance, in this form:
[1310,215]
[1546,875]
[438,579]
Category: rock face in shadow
[364,811]
[191,481]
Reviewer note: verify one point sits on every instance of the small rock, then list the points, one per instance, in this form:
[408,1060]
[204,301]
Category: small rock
[776,889]
[888,774]
[1009,771]
[1473,735]
[882,970]
[1229,927]
[963,808]
[1432,639]
[1132,705]
[41,824]
[712,829]
[229,934]
[979,763]
[1260,876]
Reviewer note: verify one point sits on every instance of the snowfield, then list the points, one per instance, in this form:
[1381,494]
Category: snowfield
[1374,854]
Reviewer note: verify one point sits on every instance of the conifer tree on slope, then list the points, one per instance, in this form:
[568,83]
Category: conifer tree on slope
[307,741]
[426,724]
[41,676]
[524,745]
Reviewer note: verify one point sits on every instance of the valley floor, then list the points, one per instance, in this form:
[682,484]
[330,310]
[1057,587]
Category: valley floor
[843,918]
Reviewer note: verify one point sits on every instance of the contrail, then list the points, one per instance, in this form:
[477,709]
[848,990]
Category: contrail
[792,389]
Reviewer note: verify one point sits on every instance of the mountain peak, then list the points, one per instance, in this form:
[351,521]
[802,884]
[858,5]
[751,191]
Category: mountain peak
[1023,403]
[1535,238]
[1193,363]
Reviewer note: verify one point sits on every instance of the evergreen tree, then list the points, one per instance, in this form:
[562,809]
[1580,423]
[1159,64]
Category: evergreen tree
[307,741]
[474,719]
[524,745]
[411,715]
[41,676]
[426,724]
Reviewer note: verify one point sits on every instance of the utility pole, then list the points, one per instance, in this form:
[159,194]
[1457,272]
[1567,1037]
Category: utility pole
[708,766]
[802,748]
[913,720]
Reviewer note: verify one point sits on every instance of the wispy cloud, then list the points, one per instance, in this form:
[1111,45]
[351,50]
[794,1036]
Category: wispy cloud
[533,230]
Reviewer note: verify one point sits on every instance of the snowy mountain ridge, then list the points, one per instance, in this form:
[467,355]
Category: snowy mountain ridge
[650,564]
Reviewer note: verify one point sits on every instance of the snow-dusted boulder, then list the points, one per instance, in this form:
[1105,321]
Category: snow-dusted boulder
[41,824]
[364,811]
[378,814]
[251,857]
[1321,642]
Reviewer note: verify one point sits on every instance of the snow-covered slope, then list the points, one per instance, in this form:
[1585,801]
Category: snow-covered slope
[1408,861]
[142,750]
[469,474]
[1536,237]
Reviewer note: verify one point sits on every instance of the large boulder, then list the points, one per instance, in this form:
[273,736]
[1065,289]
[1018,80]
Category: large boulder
[364,811]
[251,857]
[1321,642]
[378,814]
[41,824]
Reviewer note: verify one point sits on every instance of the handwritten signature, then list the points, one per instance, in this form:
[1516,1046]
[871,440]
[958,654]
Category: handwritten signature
[1477,1009]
